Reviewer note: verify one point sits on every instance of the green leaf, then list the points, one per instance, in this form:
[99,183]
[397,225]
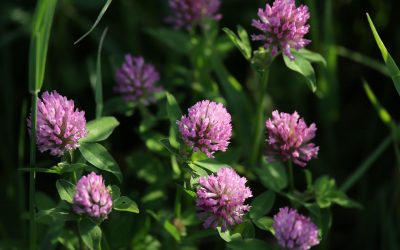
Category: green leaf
[98,88]
[69,168]
[98,156]
[43,201]
[100,129]
[363,59]
[66,190]
[303,66]
[42,22]
[327,194]
[390,63]
[262,204]
[115,192]
[237,103]
[56,214]
[90,233]
[242,42]
[273,175]
[245,229]
[211,165]
[382,112]
[227,236]
[264,223]
[52,170]
[310,56]
[172,230]
[175,40]
[167,145]
[117,105]
[174,114]
[246,244]
[101,14]
[123,203]
[340,198]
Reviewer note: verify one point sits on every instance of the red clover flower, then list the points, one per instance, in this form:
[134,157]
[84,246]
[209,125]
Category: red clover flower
[92,197]
[189,13]
[220,199]
[207,127]
[59,124]
[136,80]
[288,138]
[283,26]
[294,231]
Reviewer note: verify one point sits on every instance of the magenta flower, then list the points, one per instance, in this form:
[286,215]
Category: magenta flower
[206,128]
[189,13]
[92,197]
[294,231]
[59,124]
[288,138]
[283,26]
[220,199]
[136,80]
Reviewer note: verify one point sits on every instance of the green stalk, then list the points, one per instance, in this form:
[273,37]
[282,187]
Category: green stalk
[291,179]
[360,171]
[178,203]
[260,117]
[32,225]
[20,181]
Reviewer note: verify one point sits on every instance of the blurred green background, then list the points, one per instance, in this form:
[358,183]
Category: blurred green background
[349,129]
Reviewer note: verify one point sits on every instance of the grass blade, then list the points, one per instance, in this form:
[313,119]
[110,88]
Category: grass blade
[42,22]
[363,168]
[362,59]
[101,14]
[98,83]
[390,64]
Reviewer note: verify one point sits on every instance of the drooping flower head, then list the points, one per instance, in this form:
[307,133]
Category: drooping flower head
[136,80]
[294,231]
[207,127]
[189,13]
[59,125]
[92,197]
[220,199]
[284,27]
[288,138]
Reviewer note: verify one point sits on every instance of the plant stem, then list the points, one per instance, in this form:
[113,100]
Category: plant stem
[291,179]
[20,181]
[360,171]
[178,203]
[32,226]
[260,116]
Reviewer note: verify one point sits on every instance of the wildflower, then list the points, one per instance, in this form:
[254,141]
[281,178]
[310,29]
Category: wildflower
[294,231]
[207,127]
[289,136]
[59,125]
[283,26]
[136,80]
[220,199]
[92,197]
[189,13]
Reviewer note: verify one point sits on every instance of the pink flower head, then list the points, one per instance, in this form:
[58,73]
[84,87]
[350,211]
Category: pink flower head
[220,199]
[294,231]
[189,13]
[207,127]
[283,26]
[136,80]
[92,197]
[289,136]
[59,124]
